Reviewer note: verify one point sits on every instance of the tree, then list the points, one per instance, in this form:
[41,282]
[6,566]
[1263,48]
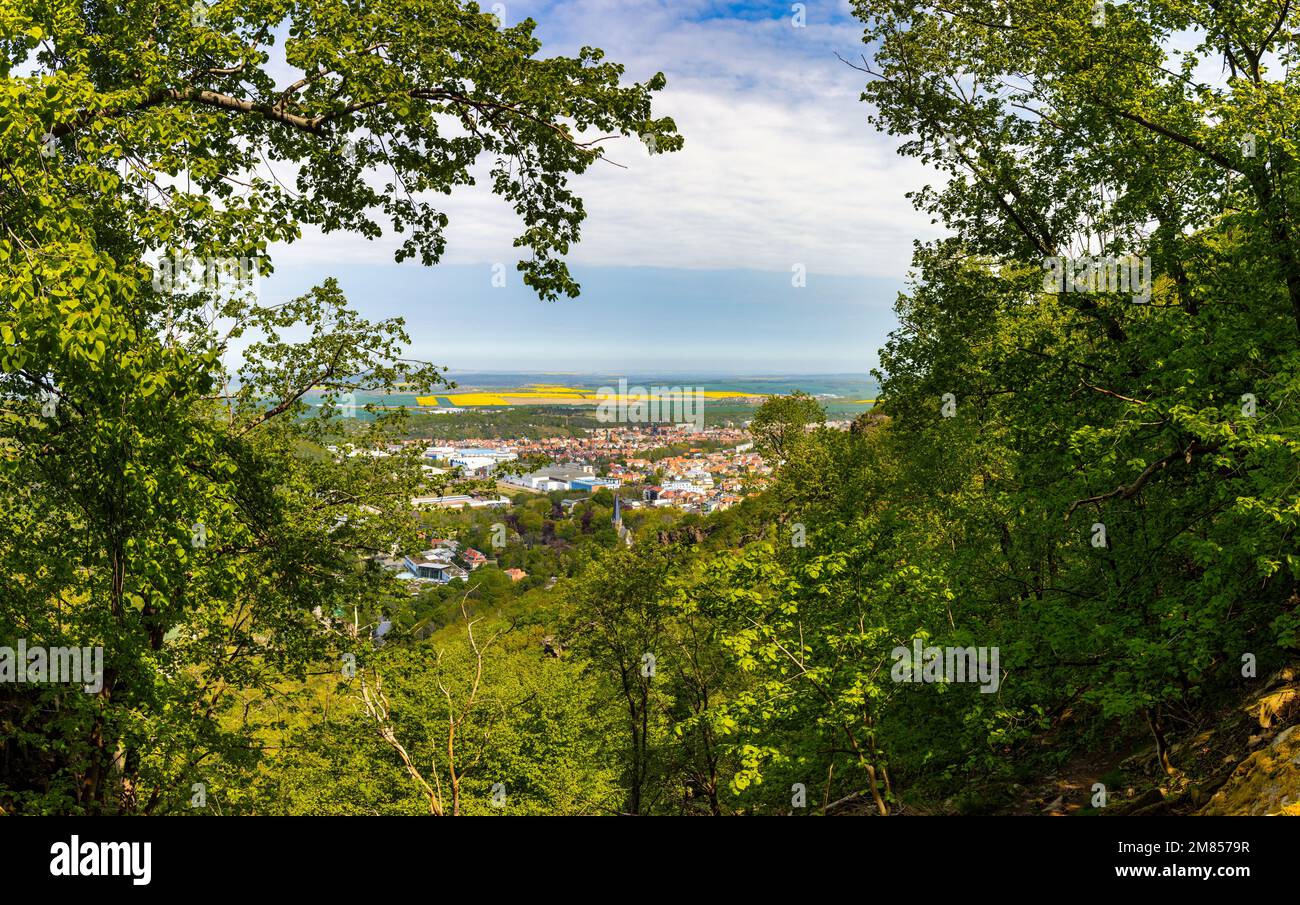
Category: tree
[185,517]
[633,620]
[617,623]
[782,421]
[1135,477]
[476,720]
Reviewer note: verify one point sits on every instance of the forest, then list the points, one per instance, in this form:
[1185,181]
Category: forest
[1083,458]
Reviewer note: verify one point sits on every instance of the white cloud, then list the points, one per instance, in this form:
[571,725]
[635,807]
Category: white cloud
[780,165]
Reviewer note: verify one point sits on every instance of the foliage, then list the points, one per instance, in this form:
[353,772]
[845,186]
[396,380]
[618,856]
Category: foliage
[183,517]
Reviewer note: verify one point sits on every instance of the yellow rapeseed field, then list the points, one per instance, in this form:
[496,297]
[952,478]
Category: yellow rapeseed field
[553,394]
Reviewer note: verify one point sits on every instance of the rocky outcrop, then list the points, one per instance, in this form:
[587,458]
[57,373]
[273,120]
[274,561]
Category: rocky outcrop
[1266,782]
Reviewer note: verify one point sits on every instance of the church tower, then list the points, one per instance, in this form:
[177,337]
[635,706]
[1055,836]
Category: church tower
[623,532]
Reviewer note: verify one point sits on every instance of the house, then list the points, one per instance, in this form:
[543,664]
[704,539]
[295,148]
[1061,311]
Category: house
[434,565]
[516,574]
[472,558]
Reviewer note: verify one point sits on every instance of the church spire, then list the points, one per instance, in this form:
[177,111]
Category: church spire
[623,532]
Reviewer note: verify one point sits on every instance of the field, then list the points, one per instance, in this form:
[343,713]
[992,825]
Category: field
[726,398]
[547,394]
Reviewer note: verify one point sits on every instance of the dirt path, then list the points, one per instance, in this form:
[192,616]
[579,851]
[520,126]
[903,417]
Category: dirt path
[1070,789]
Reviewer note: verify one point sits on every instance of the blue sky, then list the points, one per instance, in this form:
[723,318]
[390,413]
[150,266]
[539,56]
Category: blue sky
[628,319]
[686,259]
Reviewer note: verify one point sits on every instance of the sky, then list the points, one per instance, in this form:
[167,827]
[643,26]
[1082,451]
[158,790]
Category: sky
[687,259]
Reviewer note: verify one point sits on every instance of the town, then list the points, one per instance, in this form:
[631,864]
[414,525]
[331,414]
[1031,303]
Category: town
[715,469]
[661,466]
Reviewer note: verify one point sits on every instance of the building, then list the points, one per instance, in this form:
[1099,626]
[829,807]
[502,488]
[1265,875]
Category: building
[433,565]
[460,501]
[474,465]
[624,533]
[389,563]
[516,574]
[471,460]
[592,484]
[552,477]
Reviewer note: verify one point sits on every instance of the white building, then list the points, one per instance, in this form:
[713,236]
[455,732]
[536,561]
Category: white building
[429,566]
[459,501]
[552,477]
